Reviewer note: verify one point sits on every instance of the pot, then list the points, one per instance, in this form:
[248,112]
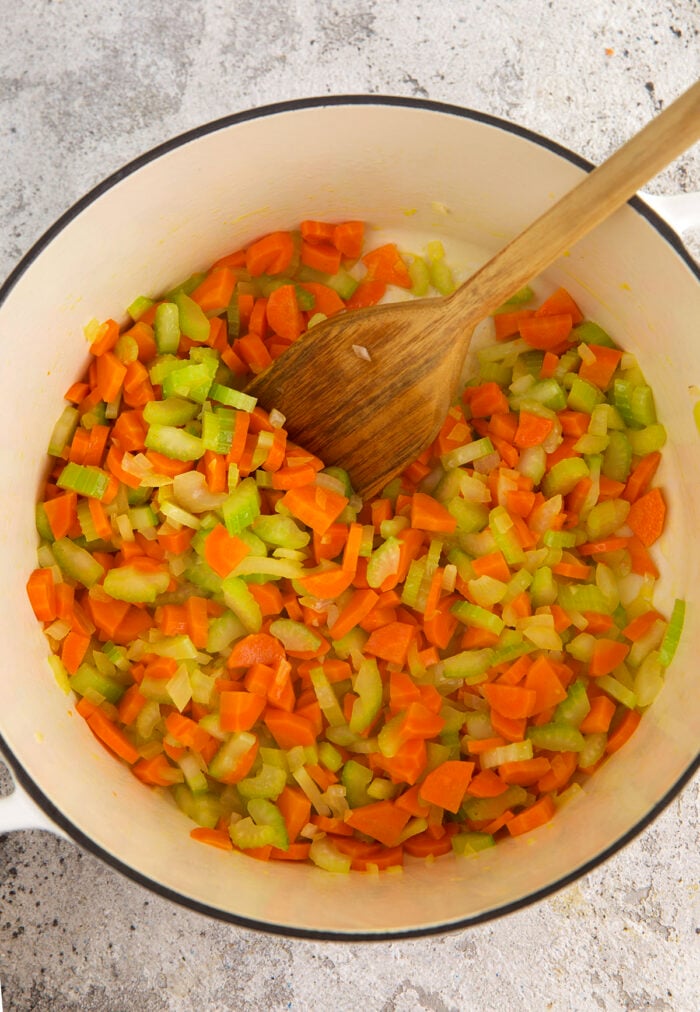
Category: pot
[415,171]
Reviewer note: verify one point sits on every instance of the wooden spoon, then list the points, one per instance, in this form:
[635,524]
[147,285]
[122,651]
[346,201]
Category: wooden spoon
[375,415]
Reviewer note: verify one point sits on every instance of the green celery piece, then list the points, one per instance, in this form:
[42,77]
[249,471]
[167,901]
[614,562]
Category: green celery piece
[163,366]
[617,691]
[280,531]
[43,526]
[187,286]
[449,486]
[87,524]
[622,399]
[575,707]
[383,562]
[266,813]
[342,282]
[470,665]
[327,699]
[63,430]
[465,844]
[583,396]
[669,643]
[471,517]
[556,737]
[441,277]
[591,333]
[593,750]
[194,776]
[647,440]
[341,475]
[76,562]
[175,443]
[563,477]
[230,753]
[642,405]
[193,321]
[467,453]
[486,809]
[412,583]
[475,615]
[204,809]
[268,783]
[233,319]
[223,630]
[533,463]
[232,398]
[369,688]
[519,298]
[142,518]
[139,306]
[560,539]
[356,778]
[241,602]
[617,458]
[329,756]
[325,855]
[496,372]
[242,506]
[549,393]
[543,589]
[583,597]
[88,682]
[606,517]
[203,576]
[166,328]
[84,479]
[125,583]
[649,679]
[246,834]
[420,277]
[193,380]
[294,635]
[217,429]
[503,531]
[170,411]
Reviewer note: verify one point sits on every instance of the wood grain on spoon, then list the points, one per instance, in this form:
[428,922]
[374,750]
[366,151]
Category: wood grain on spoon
[373,415]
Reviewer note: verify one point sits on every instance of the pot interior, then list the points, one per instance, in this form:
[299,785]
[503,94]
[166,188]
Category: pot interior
[413,174]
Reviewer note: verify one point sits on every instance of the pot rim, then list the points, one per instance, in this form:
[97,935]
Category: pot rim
[26,782]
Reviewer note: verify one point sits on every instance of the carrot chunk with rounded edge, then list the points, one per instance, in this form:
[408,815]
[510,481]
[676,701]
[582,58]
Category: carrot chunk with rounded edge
[367,293]
[385,263]
[289,729]
[223,551]
[238,711]
[112,736]
[42,594]
[381,820]
[270,255]
[647,516]
[537,815]
[607,655]
[560,302]
[486,399]
[446,785]
[532,429]
[256,648]
[546,332]
[486,784]
[348,237]
[597,720]
[427,514]
[283,313]
[623,732]
[214,837]
[600,370]
[321,256]
[512,701]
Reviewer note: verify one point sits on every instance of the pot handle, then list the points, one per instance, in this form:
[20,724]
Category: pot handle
[680,210]
[19,811]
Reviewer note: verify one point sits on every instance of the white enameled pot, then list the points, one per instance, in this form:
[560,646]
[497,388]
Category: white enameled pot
[414,171]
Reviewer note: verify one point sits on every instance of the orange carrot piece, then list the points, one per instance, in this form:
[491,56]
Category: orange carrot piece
[367,293]
[239,711]
[272,254]
[475,746]
[607,655]
[600,371]
[112,736]
[485,400]
[315,506]
[73,650]
[214,293]
[512,701]
[296,810]
[532,429]
[647,516]
[641,476]
[289,729]
[391,642]
[560,302]
[508,324]
[156,772]
[256,648]
[447,784]
[130,705]
[493,564]
[486,784]
[385,263]
[105,338]
[597,720]
[425,845]
[524,772]
[381,820]
[640,625]
[224,551]
[546,332]
[537,815]
[348,237]
[563,768]
[623,732]
[283,313]
[61,513]
[427,514]
[214,837]
[542,678]
[510,728]
[321,256]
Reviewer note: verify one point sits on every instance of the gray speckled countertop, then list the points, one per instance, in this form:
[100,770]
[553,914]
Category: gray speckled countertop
[86,85]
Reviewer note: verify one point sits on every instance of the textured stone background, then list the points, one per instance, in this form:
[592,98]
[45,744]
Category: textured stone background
[85,85]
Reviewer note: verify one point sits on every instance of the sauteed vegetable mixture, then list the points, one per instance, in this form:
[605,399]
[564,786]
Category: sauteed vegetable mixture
[316,678]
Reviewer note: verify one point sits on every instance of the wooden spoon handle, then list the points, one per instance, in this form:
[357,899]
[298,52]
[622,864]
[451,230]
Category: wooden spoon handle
[600,193]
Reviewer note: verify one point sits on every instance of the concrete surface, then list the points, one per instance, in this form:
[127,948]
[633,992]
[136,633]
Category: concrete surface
[86,85]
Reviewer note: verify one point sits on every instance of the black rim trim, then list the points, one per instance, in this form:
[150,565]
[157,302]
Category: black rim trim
[29,785]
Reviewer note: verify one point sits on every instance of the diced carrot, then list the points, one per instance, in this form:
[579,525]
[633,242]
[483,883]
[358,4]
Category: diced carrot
[386,264]
[537,815]
[524,771]
[214,293]
[224,551]
[381,820]
[214,837]
[532,429]
[447,784]
[112,736]
[348,237]
[321,256]
[283,313]
[239,711]
[427,514]
[367,293]
[270,255]
[607,655]
[508,324]
[546,332]
[647,516]
[486,784]
[597,720]
[600,371]
[560,302]
[623,732]
[641,476]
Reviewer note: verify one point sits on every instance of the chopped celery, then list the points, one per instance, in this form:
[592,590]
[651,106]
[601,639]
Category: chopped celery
[77,563]
[420,276]
[166,328]
[174,442]
[669,643]
[470,665]
[563,477]
[583,396]
[588,332]
[467,453]
[486,809]
[265,813]
[474,615]
[268,783]
[126,583]
[617,691]
[241,602]
[170,411]
[369,688]
[575,707]
[556,737]
[84,479]
[232,398]
[88,682]
[242,506]
[63,430]
[647,440]
[617,459]
[465,844]
[606,517]
[325,855]
[593,749]
[356,778]
[193,321]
